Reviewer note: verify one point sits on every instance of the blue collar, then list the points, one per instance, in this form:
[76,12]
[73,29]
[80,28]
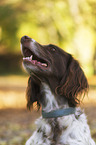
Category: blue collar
[58,113]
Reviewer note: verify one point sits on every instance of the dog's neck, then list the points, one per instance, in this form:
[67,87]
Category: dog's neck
[51,101]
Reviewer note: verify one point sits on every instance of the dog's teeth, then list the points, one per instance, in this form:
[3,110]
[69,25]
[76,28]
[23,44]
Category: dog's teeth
[28,58]
[31,57]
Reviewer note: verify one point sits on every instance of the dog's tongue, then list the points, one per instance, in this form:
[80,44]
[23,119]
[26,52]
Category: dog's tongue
[35,62]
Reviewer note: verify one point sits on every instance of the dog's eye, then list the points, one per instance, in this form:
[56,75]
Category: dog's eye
[52,49]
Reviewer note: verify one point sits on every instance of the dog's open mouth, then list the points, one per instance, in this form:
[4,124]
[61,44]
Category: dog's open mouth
[29,56]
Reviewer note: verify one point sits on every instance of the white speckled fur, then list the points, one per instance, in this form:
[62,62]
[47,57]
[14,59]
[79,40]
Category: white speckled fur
[75,130]
[51,103]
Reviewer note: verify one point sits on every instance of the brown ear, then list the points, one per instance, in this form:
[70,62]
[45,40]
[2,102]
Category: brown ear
[32,93]
[73,83]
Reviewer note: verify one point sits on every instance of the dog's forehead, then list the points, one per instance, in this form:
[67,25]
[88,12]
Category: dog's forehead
[50,45]
[53,46]
[60,51]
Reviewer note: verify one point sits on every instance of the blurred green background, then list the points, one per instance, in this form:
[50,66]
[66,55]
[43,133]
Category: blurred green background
[66,23]
[70,24]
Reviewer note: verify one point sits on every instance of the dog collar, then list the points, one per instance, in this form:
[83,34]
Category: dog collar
[58,113]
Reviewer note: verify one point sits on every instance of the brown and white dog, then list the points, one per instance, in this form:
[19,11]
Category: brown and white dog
[56,80]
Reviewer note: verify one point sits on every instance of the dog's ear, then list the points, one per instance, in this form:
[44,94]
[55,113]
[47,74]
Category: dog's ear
[73,83]
[32,92]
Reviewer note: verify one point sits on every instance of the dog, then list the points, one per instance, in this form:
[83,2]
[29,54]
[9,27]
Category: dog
[56,83]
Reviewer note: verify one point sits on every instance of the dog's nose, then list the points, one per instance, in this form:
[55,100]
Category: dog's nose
[25,39]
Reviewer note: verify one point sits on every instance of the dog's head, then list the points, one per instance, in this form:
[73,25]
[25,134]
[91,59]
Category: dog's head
[52,65]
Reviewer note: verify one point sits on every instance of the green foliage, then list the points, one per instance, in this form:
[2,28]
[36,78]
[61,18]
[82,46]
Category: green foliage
[9,26]
[47,21]
[65,23]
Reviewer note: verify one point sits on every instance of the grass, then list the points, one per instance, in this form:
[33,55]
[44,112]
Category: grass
[13,89]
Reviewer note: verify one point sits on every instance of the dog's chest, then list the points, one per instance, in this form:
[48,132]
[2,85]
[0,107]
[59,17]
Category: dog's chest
[50,131]
[61,131]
